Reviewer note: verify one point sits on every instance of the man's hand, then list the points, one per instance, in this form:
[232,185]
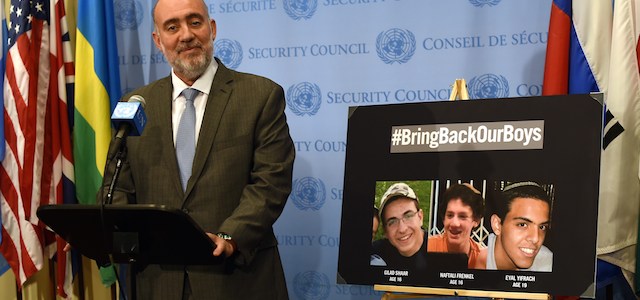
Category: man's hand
[222,245]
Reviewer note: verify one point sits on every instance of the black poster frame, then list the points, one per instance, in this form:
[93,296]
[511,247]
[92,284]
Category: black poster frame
[569,159]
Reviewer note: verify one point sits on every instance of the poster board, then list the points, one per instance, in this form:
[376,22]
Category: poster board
[552,141]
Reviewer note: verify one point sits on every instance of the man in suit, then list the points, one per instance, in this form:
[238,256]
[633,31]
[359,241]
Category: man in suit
[240,178]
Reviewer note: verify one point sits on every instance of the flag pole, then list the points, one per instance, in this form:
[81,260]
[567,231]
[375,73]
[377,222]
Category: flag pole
[18,291]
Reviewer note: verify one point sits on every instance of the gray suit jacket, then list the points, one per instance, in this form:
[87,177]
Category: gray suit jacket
[241,179]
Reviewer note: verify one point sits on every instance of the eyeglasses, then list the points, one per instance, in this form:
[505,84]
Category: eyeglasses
[394,222]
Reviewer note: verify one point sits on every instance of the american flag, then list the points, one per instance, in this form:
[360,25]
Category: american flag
[38,167]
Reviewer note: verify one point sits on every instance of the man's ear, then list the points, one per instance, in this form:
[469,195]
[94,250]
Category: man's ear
[214,29]
[156,40]
[476,223]
[496,224]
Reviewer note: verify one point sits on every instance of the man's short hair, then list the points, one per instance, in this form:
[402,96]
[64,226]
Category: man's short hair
[524,189]
[396,191]
[468,196]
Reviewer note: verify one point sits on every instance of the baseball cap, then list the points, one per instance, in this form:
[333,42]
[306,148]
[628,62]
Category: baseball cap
[395,191]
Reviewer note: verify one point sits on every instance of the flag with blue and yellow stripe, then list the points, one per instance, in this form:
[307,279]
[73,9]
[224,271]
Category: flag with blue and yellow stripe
[96,92]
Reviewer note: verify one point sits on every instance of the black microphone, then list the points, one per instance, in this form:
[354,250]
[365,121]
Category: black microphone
[129,119]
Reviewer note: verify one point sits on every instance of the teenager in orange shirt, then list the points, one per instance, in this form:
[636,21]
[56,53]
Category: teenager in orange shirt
[462,210]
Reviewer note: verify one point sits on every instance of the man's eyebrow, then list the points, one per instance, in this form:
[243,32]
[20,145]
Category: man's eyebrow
[404,213]
[195,15]
[530,221]
[458,213]
[189,16]
[169,21]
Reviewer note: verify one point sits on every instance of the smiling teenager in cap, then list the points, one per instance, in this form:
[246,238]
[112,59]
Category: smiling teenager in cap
[404,245]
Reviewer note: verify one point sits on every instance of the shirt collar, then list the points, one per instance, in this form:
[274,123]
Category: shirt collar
[203,84]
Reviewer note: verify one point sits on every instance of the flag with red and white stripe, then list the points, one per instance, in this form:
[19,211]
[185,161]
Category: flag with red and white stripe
[593,47]
[38,167]
[4,266]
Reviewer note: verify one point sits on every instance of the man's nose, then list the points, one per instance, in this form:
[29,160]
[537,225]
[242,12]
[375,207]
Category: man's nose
[186,34]
[533,235]
[402,226]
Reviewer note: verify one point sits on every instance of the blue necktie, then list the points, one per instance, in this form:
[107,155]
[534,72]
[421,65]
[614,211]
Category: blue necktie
[186,138]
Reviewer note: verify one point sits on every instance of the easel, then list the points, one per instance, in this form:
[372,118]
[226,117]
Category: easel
[459,88]
[458,92]
[411,292]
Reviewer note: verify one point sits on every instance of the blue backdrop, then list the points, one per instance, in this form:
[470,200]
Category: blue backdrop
[332,54]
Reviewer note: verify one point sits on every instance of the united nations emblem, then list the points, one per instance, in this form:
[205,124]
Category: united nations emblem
[125,110]
[308,193]
[304,98]
[229,52]
[300,9]
[128,14]
[396,45]
[488,86]
[481,3]
[311,285]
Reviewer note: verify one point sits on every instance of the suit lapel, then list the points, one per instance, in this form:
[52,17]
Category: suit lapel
[166,130]
[216,104]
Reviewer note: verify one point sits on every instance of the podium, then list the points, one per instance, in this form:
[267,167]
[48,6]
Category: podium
[131,233]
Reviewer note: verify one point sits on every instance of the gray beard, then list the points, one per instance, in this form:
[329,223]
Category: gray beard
[196,69]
